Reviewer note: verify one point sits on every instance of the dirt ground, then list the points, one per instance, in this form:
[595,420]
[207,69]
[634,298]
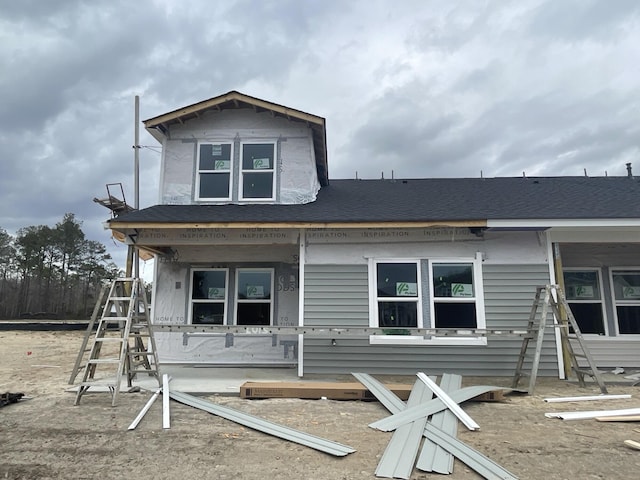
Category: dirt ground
[47,437]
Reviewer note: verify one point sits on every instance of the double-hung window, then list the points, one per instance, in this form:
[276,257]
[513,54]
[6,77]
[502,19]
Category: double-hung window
[254,297]
[213,181]
[209,296]
[584,296]
[257,173]
[453,295]
[427,293]
[398,295]
[626,296]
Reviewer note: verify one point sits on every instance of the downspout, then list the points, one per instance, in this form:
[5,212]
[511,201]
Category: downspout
[557,261]
[301,263]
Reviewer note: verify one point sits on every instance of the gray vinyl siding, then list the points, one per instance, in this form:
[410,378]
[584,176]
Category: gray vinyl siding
[337,295]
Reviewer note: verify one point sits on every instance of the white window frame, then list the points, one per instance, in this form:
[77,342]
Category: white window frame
[205,300]
[427,323]
[614,300]
[272,170]
[374,300]
[602,302]
[199,172]
[478,290]
[238,300]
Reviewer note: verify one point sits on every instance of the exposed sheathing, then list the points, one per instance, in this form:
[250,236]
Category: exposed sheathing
[297,179]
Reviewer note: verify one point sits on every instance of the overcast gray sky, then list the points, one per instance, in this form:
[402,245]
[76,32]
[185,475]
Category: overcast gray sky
[423,88]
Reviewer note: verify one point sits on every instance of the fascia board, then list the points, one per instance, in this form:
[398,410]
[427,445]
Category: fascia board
[125,225]
[567,222]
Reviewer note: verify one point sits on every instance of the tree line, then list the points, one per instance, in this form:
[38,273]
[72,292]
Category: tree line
[52,272]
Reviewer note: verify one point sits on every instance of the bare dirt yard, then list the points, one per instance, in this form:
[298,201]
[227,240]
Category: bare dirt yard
[47,437]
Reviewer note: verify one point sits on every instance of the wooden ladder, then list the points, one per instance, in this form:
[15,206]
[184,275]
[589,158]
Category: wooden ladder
[118,346]
[552,300]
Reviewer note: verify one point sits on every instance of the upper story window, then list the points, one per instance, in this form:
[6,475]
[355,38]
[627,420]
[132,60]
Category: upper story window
[213,181]
[257,172]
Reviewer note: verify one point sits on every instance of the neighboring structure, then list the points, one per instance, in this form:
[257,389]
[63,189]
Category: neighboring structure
[250,231]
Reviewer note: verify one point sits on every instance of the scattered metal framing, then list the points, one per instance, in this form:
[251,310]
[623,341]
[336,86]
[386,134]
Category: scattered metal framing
[256,423]
[585,398]
[449,402]
[385,396]
[434,458]
[474,459]
[400,455]
[429,408]
[592,414]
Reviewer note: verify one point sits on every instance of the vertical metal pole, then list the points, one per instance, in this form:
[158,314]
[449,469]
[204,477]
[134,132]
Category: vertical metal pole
[136,178]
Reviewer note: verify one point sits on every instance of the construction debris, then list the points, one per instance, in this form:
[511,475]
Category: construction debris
[399,457]
[619,418]
[632,444]
[450,403]
[429,408]
[145,409]
[7,398]
[317,390]
[251,421]
[592,414]
[586,398]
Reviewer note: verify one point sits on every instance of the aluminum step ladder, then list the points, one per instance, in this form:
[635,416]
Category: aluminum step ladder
[118,347]
[552,300]
[97,311]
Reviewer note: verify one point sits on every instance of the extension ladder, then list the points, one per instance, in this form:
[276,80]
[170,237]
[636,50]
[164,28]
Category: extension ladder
[119,344]
[569,330]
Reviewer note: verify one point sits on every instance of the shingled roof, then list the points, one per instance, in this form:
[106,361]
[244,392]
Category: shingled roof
[421,200]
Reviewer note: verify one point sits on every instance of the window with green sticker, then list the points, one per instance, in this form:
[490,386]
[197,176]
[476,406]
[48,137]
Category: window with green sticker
[213,181]
[397,295]
[626,289]
[258,171]
[208,296]
[582,290]
[454,299]
[254,300]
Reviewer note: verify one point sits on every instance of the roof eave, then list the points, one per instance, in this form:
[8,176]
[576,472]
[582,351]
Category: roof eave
[124,226]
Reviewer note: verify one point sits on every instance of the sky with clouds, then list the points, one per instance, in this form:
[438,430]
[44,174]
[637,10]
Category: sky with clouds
[423,88]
